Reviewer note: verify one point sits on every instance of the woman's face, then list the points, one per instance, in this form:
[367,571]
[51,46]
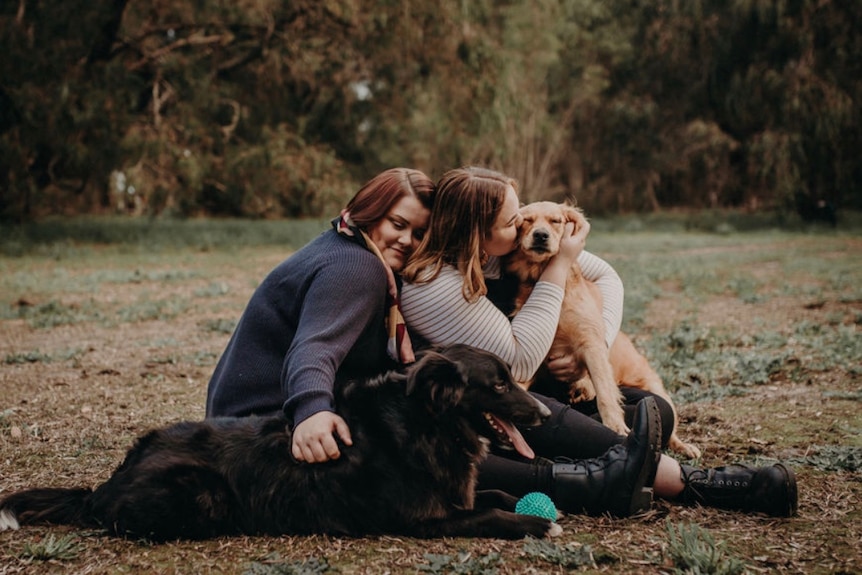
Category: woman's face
[399,232]
[504,233]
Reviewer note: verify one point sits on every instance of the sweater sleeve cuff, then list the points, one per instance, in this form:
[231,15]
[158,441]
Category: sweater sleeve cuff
[309,408]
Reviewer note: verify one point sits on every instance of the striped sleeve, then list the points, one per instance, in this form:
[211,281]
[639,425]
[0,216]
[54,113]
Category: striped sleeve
[600,272]
[438,312]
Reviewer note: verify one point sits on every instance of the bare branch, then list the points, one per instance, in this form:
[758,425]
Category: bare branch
[194,40]
[229,129]
[159,98]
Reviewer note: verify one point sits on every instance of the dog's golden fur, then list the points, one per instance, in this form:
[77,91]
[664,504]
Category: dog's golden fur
[581,329]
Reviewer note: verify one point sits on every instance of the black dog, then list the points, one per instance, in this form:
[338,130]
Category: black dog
[417,438]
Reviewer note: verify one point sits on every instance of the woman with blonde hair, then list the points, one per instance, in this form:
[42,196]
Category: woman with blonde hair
[452,284]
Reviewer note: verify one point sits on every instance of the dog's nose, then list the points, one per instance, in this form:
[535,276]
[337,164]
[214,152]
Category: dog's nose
[541,236]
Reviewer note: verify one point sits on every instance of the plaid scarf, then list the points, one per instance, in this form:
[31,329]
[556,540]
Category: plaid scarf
[398,345]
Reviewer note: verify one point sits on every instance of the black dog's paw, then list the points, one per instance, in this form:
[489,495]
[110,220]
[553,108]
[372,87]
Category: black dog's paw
[495,498]
[539,527]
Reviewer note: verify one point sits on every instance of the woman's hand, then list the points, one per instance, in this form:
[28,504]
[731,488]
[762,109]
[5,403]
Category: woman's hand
[314,440]
[563,367]
[574,240]
[571,245]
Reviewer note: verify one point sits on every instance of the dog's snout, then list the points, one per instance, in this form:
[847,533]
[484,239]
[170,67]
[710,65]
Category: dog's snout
[541,236]
[544,410]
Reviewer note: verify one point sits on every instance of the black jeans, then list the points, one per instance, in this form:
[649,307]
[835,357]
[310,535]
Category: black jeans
[570,432]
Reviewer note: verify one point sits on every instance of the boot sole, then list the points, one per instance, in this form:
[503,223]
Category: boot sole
[792,496]
[643,491]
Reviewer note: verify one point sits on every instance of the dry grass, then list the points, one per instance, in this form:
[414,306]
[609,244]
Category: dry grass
[101,345]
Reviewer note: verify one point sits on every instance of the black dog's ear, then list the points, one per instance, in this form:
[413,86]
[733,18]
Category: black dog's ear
[442,379]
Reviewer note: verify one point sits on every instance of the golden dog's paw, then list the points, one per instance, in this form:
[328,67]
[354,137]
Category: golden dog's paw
[617,423]
[613,416]
[688,449]
[582,390]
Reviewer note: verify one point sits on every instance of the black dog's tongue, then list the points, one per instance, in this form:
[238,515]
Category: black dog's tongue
[518,441]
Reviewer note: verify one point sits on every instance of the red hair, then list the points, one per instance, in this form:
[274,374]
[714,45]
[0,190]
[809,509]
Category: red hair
[374,200]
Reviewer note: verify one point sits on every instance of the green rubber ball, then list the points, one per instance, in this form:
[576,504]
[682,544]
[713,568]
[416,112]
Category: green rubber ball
[537,504]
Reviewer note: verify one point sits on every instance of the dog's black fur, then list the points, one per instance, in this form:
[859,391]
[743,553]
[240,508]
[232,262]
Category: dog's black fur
[417,438]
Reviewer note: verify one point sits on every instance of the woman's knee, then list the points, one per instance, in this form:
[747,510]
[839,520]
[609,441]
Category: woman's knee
[668,419]
[569,433]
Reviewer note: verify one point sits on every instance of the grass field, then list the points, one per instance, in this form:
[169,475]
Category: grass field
[112,327]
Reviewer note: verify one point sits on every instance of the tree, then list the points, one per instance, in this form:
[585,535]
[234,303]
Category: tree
[265,108]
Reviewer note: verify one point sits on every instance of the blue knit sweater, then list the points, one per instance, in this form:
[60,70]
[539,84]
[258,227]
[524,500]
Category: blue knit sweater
[317,317]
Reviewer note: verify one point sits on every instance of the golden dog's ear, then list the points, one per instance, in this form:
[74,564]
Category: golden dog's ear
[573,214]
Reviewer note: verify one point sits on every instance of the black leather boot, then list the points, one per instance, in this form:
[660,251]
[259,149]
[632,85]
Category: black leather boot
[770,489]
[620,481]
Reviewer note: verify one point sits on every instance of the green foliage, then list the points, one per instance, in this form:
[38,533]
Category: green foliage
[699,364]
[694,551]
[54,313]
[220,325]
[205,358]
[52,548]
[147,310]
[462,564]
[212,290]
[27,357]
[568,556]
[833,457]
[64,238]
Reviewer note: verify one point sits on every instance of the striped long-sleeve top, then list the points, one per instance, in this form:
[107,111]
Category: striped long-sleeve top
[438,313]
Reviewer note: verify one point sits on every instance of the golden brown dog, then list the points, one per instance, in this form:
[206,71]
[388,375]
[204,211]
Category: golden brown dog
[581,329]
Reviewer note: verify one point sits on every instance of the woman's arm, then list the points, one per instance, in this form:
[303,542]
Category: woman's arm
[339,305]
[335,314]
[600,272]
[438,312]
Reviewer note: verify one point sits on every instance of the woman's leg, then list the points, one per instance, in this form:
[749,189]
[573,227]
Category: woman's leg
[618,482]
[570,433]
[668,478]
[515,475]
[631,397]
[578,435]
[545,386]
[577,432]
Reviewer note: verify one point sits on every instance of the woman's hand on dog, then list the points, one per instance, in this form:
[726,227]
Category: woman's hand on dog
[314,439]
[574,240]
[563,367]
[571,245]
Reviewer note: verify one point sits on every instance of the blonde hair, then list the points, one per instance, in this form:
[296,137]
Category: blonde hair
[466,206]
